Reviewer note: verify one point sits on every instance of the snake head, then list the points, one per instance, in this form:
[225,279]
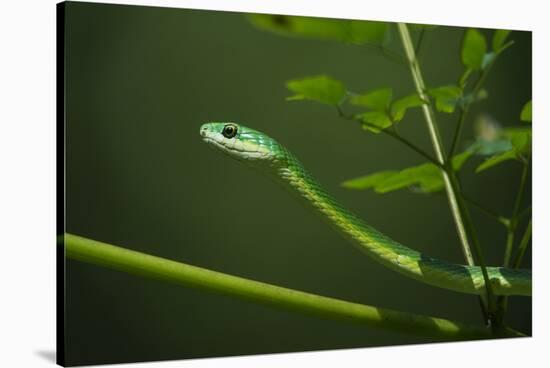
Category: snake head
[241,142]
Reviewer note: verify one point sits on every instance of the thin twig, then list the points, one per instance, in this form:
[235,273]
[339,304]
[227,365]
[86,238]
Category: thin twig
[419,42]
[392,134]
[390,54]
[515,213]
[521,189]
[465,109]
[458,129]
[502,301]
[413,147]
[523,245]
[501,219]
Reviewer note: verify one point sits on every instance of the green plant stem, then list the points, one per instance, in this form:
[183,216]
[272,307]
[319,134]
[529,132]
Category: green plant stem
[510,235]
[456,201]
[419,42]
[502,301]
[521,189]
[464,110]
[477,247]
[125,260]
[435,138]
[458,130]
[515,215]
[523,245]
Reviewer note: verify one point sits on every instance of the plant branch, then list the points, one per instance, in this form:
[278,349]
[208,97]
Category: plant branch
[435,138]
[419,42]
[458,129]
[390,54]
[412,146]
[394,135]
[510,235]
[125,260]
[501,219]
[515,214]
[502,301]
[456,202]
[465,109]
[523,245]
[521,189]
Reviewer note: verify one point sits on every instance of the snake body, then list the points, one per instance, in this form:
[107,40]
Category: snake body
[262,151]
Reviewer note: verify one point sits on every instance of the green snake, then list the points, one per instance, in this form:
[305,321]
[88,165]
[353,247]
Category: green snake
[263,152]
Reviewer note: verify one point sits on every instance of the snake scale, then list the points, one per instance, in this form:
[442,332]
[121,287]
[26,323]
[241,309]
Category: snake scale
[259,150]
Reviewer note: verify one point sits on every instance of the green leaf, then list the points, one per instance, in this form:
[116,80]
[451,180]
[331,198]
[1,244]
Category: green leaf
[474,47]
[520,140]
[426,177]
[459,160]
[499,37]
[377,100]
[495,160]
[488,148]
[319,88]
[526,112]
[446,97]
[369,181]
[348,31]
[400,106]
[376,120]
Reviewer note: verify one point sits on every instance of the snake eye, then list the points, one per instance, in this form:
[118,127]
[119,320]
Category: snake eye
[229,131]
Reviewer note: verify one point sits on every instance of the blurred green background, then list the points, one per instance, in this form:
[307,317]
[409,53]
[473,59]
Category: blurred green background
[141,80]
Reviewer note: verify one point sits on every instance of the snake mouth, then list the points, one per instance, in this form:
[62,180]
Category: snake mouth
[214,143]
[237,152]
